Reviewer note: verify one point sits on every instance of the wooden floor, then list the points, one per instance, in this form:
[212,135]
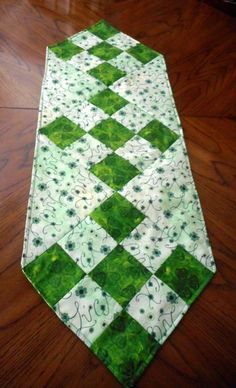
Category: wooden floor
[199,44]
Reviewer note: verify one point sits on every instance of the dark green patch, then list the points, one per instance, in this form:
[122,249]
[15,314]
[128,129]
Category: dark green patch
[159,135]
[106,73]
[62,132]
[65,50]
[121,275]
[53,274]
[143,53]
[111,133]
[184,274]
[117,216]
[125,348]
[105,51]
[109,101]
[114,171]
[103,30]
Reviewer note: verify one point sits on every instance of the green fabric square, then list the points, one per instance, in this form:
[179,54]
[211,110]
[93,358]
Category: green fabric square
[106,73]
[114,171]
[53,273]
[105,51]
[111,133]
[62,131]
[143,53]
[184,274]
[65,50]
[109,101]
[103,30]
[159,135]
[125,348]
[121,275]
[117,216]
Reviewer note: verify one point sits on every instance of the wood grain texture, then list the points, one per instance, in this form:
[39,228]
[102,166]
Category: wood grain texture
[198,42]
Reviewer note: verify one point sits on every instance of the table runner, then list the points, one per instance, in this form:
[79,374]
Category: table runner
[115,240]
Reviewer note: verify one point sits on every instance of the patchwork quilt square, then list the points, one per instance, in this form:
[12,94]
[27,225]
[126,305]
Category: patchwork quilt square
[115,171]
[120,274]
[105,51]
[65,50]
[143,53]
[118,216]
[111,133]
[107,73]
[103,30]
[109,101]
[62,132]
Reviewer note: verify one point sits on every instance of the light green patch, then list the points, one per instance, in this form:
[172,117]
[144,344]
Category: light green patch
[115,171]
[121,275]
[109,101]
[103,30]
[105,51]
[184,274]
[117,216]
[143,53]
[62,132]
[53,273]
[65,50]
[159,135]
[106,73]
[111,133]
[125,348]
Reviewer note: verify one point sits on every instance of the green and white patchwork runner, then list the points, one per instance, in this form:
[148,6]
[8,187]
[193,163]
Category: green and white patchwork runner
[115,240]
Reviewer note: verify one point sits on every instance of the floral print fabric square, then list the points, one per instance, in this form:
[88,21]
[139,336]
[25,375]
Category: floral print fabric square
[115,239]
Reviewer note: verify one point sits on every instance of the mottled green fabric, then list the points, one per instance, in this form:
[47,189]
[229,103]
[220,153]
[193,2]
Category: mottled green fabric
[125,348]
[111,133]
[184,274]
[105,51]
[109,101]
[117,216]
[143,53]
[103,29]
[62,132]
[115,171]
[66,49]
[53,273]
[121,275]
[159,135]
[107,73]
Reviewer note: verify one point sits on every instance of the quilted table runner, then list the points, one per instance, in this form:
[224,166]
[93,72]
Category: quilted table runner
[115,240]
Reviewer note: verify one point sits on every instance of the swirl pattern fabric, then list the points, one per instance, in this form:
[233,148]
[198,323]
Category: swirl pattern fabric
[115,240]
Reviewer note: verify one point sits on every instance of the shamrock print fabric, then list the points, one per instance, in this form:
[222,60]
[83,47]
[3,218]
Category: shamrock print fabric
[115,240]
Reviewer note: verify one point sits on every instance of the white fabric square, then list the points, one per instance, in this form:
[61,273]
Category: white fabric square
[126,62]
[86,115]
[139,152]
[87,310]
[85,39]
[144,244]
[88,243]
[122,41]
[132,117]
[88,150]
[157,308]
[85,61]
